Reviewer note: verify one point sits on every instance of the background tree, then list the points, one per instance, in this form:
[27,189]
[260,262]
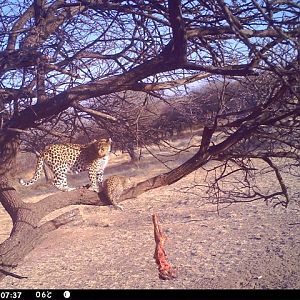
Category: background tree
[60,60]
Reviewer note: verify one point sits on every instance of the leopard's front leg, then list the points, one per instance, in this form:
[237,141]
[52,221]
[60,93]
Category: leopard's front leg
[96,170]
[96,179]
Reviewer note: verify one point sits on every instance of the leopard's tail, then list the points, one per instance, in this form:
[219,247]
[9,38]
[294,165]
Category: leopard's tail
[37,173]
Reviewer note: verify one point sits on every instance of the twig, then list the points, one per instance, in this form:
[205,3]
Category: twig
[280,180]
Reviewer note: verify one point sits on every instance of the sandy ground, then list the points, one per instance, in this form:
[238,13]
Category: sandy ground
[244,246]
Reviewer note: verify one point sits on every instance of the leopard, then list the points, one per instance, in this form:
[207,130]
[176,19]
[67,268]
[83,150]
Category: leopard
[67,158]
[114,186]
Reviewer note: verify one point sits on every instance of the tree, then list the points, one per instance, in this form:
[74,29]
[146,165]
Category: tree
[58,57]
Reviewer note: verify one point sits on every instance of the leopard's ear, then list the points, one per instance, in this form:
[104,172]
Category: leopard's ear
[109,140]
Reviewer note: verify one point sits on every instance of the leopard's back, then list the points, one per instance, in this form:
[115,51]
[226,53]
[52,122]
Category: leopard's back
[68,157]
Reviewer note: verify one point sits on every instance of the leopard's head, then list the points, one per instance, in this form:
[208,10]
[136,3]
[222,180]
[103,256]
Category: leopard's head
[102,147]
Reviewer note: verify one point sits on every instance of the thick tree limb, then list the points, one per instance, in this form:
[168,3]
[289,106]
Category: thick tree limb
[94,113]
[226,30]
[26,232]
[169,84]
[179,32]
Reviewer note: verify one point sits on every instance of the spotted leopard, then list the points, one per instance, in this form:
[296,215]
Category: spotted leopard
[74,158]
[113,188]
